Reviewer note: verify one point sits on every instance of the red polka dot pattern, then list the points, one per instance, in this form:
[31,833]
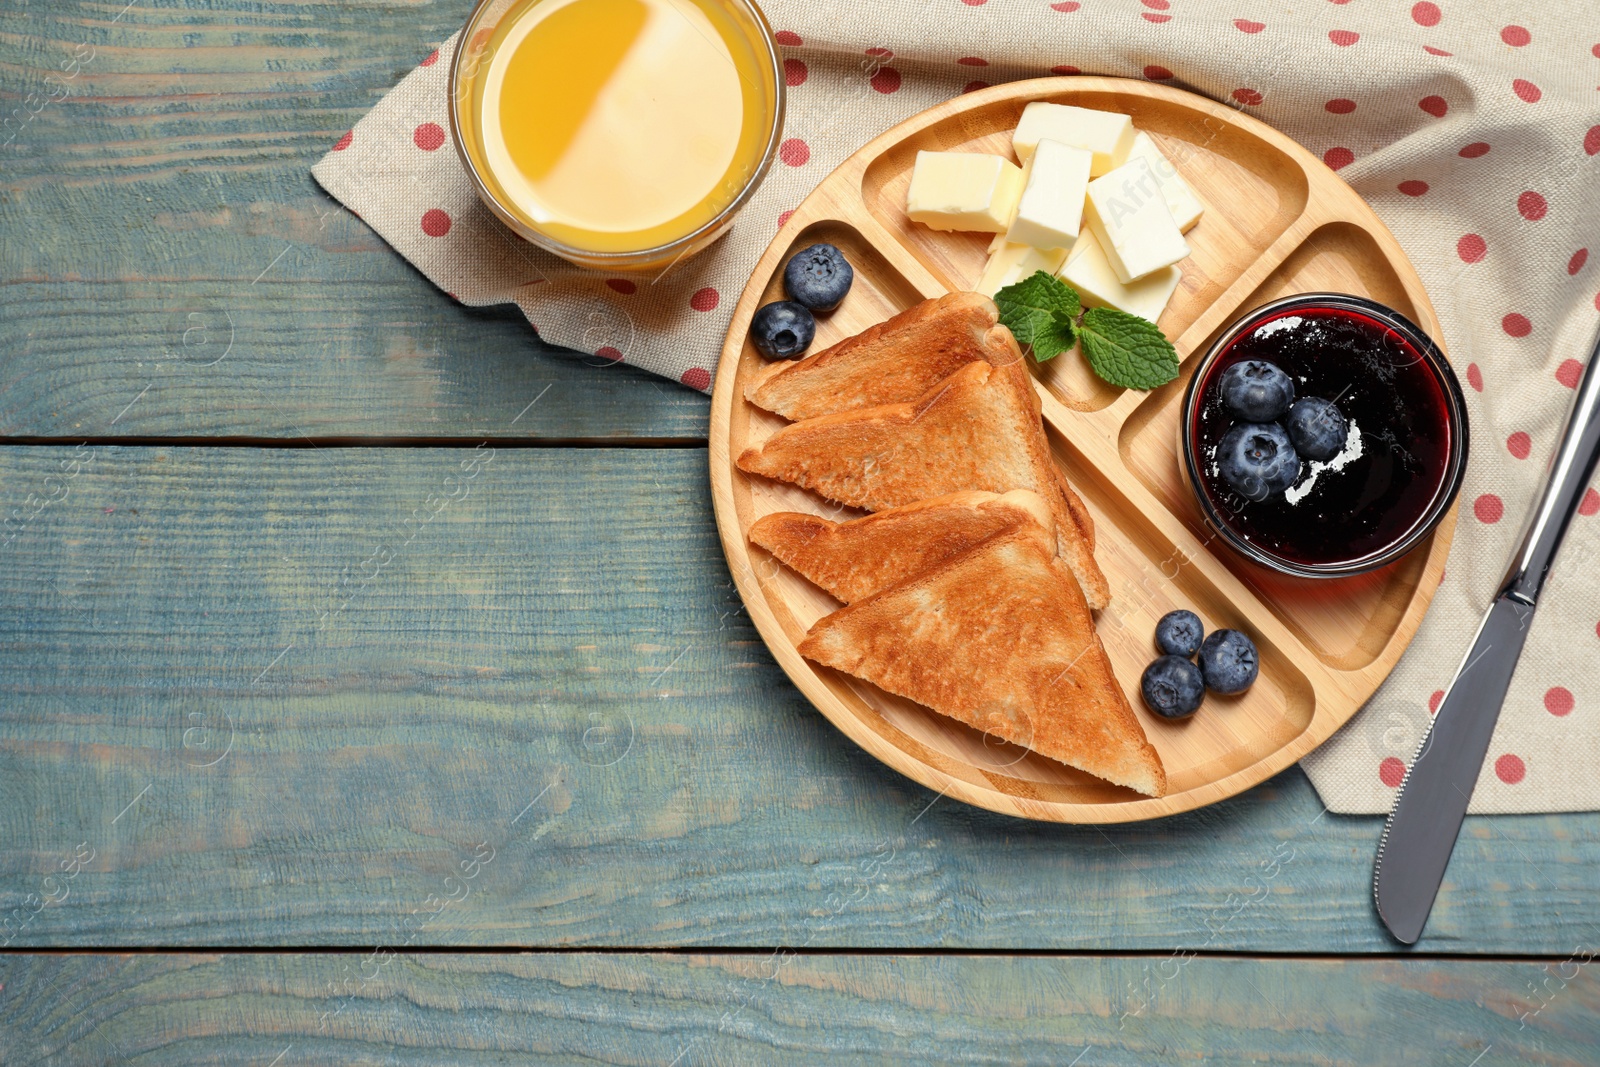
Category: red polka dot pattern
[794,152]
[1246,26]
[1474,150]
[622,285]
[1558,701]
[1158,19]
[1157,73]
[344,142]
[1472,248]
[1065,69]
[1248,97]
[1532,206]
[1339,106]
[1516,325]
[428,137]
[1475,377]
[1338,158]
[1067,7]
[1489,508]
[1391,772]
[794,72]
[1590,503]
[1526,91]
[1413,187]
[972,87]
[1569,372]
[607,352]
[886,79]
[1343,38]
[705,299]
[1432,51]
[974,61]
[1434,105]
[435,223]
[1433,701]
[1425,14]
[1519,445]
[788,38]
[433,57]
[1591,141]
[974,3]
[697,378]
[1515,36]
[784,216]
[1510,769]
[1579,258]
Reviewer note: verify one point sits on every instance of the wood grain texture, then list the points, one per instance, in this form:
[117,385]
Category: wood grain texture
[1325,646]
[557,667]
[692,1010]
[162,214]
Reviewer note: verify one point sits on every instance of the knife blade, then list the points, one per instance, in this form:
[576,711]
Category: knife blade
[1422,828]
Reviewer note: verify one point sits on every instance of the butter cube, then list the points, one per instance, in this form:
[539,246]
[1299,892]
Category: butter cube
[1108,135]
[963,191]
[1053,186]
[1129,217]
[1181,201]
[1088,271]
[1010,263]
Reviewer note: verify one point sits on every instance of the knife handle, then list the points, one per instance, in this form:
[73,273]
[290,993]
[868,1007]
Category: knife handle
[1569,477]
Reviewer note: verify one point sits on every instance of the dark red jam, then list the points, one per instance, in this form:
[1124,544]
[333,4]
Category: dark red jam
[1398,455]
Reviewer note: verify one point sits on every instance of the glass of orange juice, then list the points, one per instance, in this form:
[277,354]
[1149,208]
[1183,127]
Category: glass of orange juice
[618,134]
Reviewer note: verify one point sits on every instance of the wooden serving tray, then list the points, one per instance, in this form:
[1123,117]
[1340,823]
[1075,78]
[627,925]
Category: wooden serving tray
[1277,222]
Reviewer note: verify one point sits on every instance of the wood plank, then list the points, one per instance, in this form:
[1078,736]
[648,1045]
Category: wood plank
[287,1010]
[273,721]
[164,215]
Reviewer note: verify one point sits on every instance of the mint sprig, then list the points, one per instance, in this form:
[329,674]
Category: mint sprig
[1127,350]
[1045,313]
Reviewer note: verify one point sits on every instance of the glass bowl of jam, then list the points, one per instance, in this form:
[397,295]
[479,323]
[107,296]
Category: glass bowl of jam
[1403,454]
[618,134]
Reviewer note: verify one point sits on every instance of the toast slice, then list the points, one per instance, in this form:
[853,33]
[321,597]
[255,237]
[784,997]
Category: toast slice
[853,560]
[999,638]
[892,362]
[978,429]
[897,362]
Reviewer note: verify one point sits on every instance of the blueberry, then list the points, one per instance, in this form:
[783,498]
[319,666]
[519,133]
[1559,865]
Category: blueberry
[782,329]
[1317,428]
[1172,687]
[1229,661]
[1178,633]
[1256,391]
[818,277]
[1258,459]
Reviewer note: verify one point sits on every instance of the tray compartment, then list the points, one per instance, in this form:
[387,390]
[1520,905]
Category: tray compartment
[1346,623]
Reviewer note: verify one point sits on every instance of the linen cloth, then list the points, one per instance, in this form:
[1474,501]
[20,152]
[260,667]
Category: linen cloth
[1473,129]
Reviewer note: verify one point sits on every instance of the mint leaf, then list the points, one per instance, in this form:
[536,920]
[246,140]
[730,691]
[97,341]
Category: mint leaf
[1039,311]
[1126,350]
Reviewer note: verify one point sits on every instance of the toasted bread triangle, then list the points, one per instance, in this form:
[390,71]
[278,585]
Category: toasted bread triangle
[978,429]
[999,637]
[853,560]
[896,362]
[889,363]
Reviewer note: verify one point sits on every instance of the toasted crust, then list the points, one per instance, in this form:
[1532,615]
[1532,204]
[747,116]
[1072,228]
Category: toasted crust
[978,429]
[853,560]
[999,638]
[891,362]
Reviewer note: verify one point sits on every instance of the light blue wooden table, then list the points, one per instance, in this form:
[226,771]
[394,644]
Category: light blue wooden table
[299,766]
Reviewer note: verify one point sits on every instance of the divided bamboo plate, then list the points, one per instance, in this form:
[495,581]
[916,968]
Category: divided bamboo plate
[1277,222]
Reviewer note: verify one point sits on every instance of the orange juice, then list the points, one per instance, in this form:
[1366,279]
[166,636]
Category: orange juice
[615,127]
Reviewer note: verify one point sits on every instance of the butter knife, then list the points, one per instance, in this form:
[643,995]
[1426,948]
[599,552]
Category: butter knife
[1422,828]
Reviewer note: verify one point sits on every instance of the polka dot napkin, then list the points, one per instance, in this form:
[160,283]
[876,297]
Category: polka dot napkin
[1473,129]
